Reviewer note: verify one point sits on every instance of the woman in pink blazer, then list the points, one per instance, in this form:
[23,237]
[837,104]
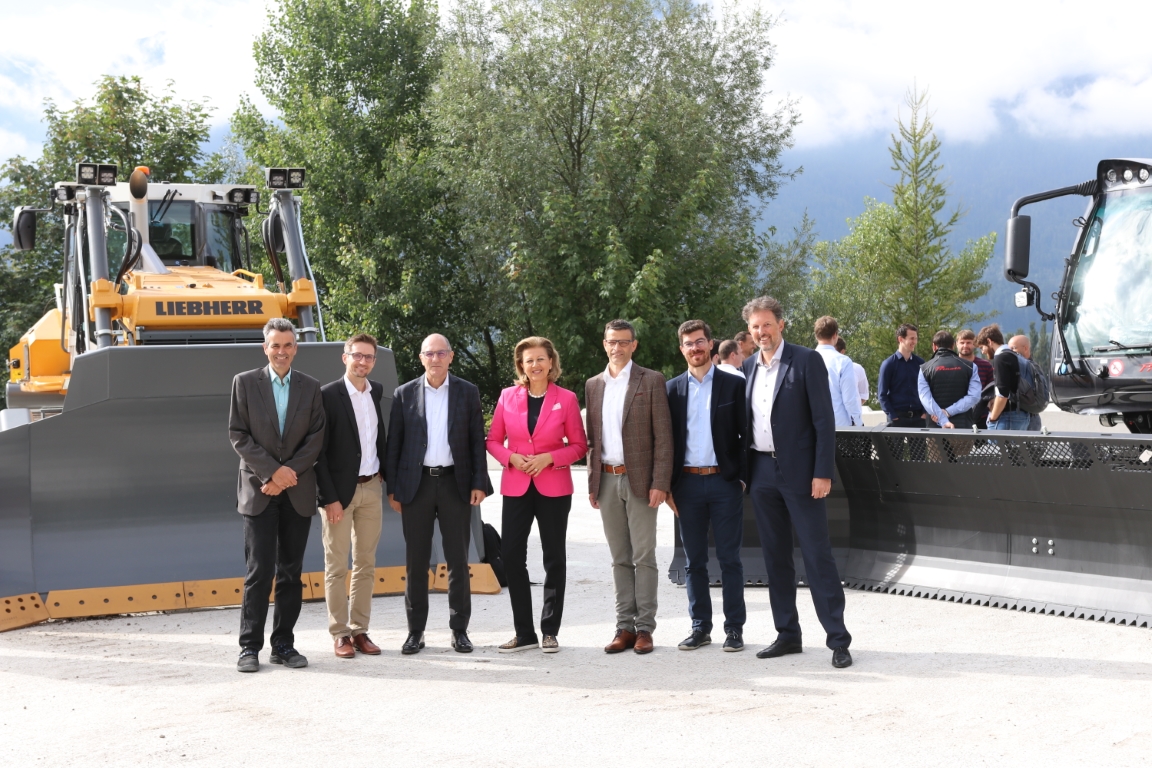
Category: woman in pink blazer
[540,422]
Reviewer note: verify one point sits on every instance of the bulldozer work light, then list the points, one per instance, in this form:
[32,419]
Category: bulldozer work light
[64,193]
[244,197]
[285,178]
[93,174]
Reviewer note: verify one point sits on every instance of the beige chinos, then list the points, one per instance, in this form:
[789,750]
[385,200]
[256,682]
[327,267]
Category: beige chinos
[357,532]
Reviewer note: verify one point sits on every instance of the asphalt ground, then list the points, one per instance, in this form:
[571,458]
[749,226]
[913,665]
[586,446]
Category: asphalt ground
[933,684]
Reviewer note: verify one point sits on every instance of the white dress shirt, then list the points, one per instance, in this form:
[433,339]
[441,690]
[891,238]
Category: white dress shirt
[763,389]
[729,368]
[367,425]
[438,453]
[612,416]
[861,381]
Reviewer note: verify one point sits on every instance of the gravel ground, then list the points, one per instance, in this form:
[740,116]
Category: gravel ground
[933,684]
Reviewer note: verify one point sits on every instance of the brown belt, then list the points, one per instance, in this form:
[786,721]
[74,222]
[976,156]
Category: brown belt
[613,469]
[702,470]
[365,478]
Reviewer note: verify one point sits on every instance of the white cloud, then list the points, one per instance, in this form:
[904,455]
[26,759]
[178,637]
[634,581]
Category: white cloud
[1052,68]
[204,47]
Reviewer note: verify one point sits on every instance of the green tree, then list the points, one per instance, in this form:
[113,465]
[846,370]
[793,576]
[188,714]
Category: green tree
[349,79]
[608,158]
[123,123]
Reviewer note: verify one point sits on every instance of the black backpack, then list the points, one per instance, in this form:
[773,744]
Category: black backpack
[1034,390]
[492,553]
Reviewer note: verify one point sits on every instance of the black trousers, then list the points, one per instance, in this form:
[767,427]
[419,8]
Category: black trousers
[274,543]
[781,507]
[437,499]
[551,516]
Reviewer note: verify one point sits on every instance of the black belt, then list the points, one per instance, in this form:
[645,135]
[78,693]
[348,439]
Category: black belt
[908,415]
[365,478]
[772,454]
[437,471]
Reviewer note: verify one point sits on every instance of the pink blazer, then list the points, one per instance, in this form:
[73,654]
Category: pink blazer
[559,419]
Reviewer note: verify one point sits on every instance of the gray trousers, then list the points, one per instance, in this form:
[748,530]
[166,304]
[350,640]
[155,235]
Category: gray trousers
[630,527]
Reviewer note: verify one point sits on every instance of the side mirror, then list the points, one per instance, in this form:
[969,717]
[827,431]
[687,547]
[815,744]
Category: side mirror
[1017,247]
[24,229]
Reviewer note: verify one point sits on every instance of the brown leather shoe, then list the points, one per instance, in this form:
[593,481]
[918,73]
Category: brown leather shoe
[364,645]
[643,642]
[622,642]
[344,648]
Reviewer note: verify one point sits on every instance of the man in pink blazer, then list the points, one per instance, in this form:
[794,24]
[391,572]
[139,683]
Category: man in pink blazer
[536,434]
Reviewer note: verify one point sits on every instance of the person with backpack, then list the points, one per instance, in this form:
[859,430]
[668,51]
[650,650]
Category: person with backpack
[1013,382]
[1022,346]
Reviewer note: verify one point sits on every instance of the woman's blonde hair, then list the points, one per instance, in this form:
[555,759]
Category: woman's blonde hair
[529,343]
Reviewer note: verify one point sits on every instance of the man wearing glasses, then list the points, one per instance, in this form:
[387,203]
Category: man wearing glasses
[351,494]
[629,475]
[436,471]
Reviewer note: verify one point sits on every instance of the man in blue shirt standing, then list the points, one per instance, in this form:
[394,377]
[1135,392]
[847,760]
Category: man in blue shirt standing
[897,388]
[708,425]
[841,374]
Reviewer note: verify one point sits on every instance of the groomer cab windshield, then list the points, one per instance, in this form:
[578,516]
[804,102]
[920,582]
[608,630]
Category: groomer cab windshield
[1102,334]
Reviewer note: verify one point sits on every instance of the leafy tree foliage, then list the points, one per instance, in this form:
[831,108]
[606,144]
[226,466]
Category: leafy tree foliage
[607,158]
[123,123]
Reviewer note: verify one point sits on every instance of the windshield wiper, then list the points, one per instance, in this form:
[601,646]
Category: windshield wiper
[1114,346]
[165,204]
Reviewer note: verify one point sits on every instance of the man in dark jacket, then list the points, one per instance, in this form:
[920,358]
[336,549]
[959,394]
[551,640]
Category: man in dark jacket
[708,468]
[276,426]
[437,471]
[948,385]
[351,493]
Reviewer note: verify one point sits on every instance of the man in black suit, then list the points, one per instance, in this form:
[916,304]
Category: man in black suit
[276,425]
[792,444]
[437,470]
[352,495]
[708,467]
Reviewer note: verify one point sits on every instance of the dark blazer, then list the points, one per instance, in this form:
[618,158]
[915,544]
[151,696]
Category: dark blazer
[338,468]
[803,423]
[254,430]
[729,419]
[408,439]
[647,432]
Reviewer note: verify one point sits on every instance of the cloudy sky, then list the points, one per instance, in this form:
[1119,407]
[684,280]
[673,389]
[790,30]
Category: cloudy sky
[1049,69]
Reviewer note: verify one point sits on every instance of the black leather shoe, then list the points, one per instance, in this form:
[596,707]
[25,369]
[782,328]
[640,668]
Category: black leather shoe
[249,661]
[695,640]
[841,658]
[461,642]
[288,656]
[780,648]
[733,642]
[413,644]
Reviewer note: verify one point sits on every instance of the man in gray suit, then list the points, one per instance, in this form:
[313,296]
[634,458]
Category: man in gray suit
[276,425]
[436,471]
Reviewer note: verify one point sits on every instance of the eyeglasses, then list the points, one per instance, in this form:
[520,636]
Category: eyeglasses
[436,354]
[618,342]
[698,344]
[360,357]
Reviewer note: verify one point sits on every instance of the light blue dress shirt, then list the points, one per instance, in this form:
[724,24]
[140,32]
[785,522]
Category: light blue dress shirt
[965,403]
[700,451]
[842,384]
[280,393]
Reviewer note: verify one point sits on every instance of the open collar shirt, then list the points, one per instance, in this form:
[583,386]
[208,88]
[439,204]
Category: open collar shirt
[700,451]
[763,391]
[842,383]
[367,426]
[437,453]
[280,392]
[612,416]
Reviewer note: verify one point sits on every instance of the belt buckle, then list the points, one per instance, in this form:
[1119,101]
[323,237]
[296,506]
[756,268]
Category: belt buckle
[434,471]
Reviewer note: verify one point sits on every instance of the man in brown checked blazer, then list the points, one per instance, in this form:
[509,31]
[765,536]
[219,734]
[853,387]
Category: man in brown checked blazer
[629,474]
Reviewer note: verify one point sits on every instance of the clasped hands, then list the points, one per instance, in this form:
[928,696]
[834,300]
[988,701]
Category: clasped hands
[530,465]
[282,479]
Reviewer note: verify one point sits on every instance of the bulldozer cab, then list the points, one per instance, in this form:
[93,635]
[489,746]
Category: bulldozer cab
[1111,277]
[189,234]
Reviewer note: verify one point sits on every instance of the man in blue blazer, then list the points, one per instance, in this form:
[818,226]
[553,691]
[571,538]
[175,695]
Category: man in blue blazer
[437,470]
[708,467]
[791,452]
